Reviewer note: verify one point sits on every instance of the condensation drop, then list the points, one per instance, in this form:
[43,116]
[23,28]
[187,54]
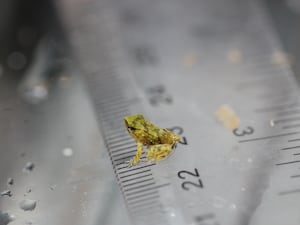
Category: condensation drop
[52,187]
[6,193]
[6,218]
[27,204]
[10,181]
[232,206]
[16,60]
[28,167]
[36,93]
[67,152]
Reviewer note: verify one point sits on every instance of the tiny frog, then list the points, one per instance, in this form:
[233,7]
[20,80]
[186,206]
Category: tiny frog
[159,142]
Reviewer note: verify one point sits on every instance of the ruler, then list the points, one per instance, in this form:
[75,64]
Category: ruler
[176,62]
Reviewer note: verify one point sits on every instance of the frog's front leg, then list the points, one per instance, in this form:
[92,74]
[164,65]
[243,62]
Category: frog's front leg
[137,156]
[159,152]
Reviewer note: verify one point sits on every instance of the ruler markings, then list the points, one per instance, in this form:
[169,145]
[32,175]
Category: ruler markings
[287,120]
[277,107]
[155,204]
[153,201]
[292,140]
[293,112]
[141,196]
[138,187]
[290,148]
[268,137]
[113,108]
[125,181]
[148,211]
[116,114]
[117,138]
[130,147]
[148,189]
[114,131]
[295,191]
[291,126]
[286,163]
[112,100]
[117,145]
[138,182]
[295,176]
[124,153]
[143,199]
[129,175]
[119,100]
[138,168]
[123,158]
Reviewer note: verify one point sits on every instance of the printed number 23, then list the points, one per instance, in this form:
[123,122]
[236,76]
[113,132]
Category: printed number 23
[183,174]
[249,130]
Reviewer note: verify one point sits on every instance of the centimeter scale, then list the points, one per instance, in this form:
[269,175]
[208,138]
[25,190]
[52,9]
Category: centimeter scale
[176,62]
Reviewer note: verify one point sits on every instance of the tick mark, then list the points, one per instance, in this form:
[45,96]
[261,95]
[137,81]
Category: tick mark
[135,173]
[291,126]
[277,107]
[285,163]
[269,137]
[290,148]
[289,192]
[291,140]
[295,176]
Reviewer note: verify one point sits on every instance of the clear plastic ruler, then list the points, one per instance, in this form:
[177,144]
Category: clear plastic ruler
[177,62]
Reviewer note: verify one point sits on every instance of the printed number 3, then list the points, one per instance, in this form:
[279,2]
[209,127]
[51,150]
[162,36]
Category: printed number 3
[185,185]
[247,131]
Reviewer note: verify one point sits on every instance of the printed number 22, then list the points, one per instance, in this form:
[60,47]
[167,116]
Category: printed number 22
[183,174]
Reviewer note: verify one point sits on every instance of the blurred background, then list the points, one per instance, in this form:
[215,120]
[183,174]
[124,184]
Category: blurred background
[47,125]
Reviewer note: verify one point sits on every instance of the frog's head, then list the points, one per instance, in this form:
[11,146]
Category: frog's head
[134,122]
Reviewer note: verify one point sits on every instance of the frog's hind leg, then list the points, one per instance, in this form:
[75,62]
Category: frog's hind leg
[159,152]
[137,156]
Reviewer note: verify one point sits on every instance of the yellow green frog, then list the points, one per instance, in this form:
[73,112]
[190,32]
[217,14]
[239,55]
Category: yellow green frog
[159,142]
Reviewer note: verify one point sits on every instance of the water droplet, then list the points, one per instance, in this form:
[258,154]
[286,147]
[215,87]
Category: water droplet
[6,218]
[36,93]
[272,123]
[249,160]
[52,187]
[67,152]
[243,189]
[28,167]
[232,206]
[6,193]
[16,60]
[172,214]
[27,204]
[10,181]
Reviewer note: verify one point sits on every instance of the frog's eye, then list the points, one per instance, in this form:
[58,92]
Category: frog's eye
[131,128]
